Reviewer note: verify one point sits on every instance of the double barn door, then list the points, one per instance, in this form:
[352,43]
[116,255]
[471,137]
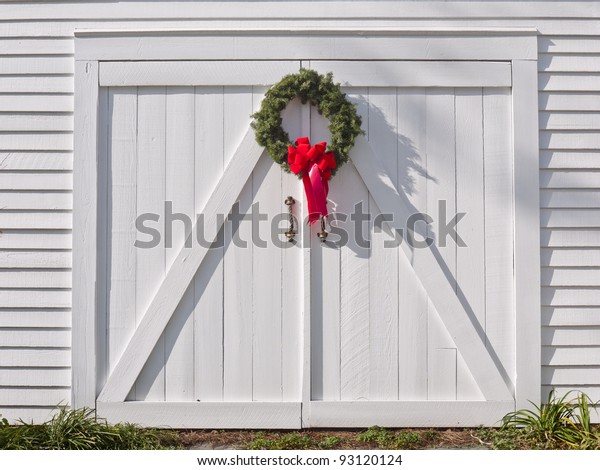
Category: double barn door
[259,332]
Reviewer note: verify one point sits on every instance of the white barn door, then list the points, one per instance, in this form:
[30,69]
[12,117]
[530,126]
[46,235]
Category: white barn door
[248,334]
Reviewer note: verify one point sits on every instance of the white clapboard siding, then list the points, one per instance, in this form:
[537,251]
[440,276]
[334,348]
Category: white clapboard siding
[41,161]
[564,356]
[36,181]
[568,62]
[34,122]
[49,377]
[570,336]
[570,238]
[568,45]
[11,278]
[28,298]
[37,84]
[565,82]
[568,179]
[37,46]
[552,257]
[35,357]
[570,375]
[59,103]
[569,199]
[569,159]
[561,218]
[560,296]
[569,101]
[588,140]
[570,121]
[40,337]
[35,220]
[571,316]
[16,200]
[15,65]
[35,318]
[559,277]
[36,141]
[35,239]
[35,259]
[32,397]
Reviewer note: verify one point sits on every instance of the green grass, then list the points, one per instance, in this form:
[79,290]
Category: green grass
[284,442]
[80,430]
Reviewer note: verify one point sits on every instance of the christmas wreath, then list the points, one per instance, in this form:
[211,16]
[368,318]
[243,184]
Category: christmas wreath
[314,164]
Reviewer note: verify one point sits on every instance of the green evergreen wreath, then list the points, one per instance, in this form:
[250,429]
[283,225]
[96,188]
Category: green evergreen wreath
[318,90]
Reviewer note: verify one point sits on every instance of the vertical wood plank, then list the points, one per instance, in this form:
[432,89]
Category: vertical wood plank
[292,270]
[150,262]
[412,299]
[354,275]
[470,260]
[238,360]
[84,235]
[441,168]
[266,280]
[122,210]
[325,290]
[208,282]
[383,262]
[179,190]
[498,167]
[527,234]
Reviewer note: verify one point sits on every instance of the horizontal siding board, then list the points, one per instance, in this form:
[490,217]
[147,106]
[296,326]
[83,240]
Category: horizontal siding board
[31,298]
[571,316]
[570,238]
[36,84]
[566,296]
[26,103]
[552,257]
[48,161]
[35,357]
[570,375]
[54,181]
[36,141]
[566,179]
[569,63]
[13,65]
[565,101]
[35,122]
[571,159]
[37,46]
[35,319]
[20,279]
[568,356]
[35,259]
[550,218]
[570,336]
[19,200]
[568,45]
[589,140]
[565,199]
[32,397]
[35,220]
[569,81]
[38,337]
[569,121]
[26,377]
[35,239]
[561,277]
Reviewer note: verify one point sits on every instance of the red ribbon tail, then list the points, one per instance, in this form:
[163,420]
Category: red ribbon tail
[316,194]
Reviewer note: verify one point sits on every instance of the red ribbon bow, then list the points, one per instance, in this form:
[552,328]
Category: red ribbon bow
[315,164]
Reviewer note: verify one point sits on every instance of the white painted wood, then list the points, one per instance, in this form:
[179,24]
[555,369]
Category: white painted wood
[34,122]
[354,276]
[556,238]
[417,73]
[382,128]
[256,415]
[36,201]
[31,397]
[408,413]
[37,84]
[569,199]
[560,218]
[325,295]
[33,414]
[36,377]
[208,281]
[412,297]
[574,44]
[560,356]
[562,296]
[267,307]
[121,209]
[197,73]
[41,337]
[15,65]
[36,239]
[570,277]
[150,198]
[578,316]
[36,220]
[32,318]
[35,259]
[557,257]
[426,266]
[35,279]
[174,285]
[180,190]
[569,376]
[339,44]
[38,181]
[570,336]
[499,226]
[441,187]
[571,159]
[36,141]
[84,241]
[37,46]
[237,301]
[36,161]
[29,298]
[526,238]
[568,63]
[565,101]
[569,121]
[565,82]
[568,179]
[36,103]
[35,357]
[588,140]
